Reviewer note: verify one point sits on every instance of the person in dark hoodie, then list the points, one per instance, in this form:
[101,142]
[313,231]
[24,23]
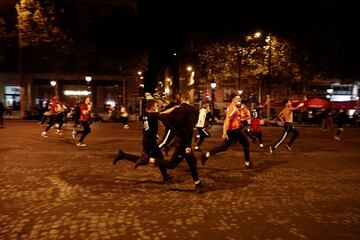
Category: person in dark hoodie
[167,139]
[181,121]
[150,146]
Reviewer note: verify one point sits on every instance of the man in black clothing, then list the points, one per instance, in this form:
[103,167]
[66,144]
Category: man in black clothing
[181,121]
[150,147]
[168,134]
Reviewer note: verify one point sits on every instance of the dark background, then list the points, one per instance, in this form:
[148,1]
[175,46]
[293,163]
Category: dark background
[329,26]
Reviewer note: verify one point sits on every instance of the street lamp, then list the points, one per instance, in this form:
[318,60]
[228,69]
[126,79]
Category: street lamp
[213,86]
[88,80]
[328,96]
[329,91]
[53,84]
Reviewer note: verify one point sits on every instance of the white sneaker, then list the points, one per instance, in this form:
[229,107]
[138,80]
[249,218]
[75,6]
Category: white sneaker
[126,127]
[44,134]
[73,134]
[58,132]
[271,149]
[288,147]
[261,145]
[79,144]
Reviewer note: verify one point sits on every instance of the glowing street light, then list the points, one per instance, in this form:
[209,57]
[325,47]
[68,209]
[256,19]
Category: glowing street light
[53,83]
[88,79]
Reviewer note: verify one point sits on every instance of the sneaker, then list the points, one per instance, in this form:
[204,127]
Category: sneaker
[337,138]
[203,158]
[288,147]
[197,137]
[44,134]
[248,164]
[73,134]
[58,132]
[120,155]
[271,149]
[126,127]
[79,144]
[167,178]
[142,160]
[261,145]
[200,187]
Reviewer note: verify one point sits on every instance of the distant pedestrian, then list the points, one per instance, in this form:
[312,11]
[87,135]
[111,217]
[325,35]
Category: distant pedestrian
[55,109]
[8,108]
[201,126]
[341,120]
[85,109]
[124,116]
[286,117]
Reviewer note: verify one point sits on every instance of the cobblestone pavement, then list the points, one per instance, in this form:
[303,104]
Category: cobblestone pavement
[51,189]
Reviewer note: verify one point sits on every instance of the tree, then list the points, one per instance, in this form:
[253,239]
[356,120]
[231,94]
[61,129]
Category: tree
[253,61]
[39,31]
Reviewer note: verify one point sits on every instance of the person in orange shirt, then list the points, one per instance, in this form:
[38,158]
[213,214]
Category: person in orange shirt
[231,132]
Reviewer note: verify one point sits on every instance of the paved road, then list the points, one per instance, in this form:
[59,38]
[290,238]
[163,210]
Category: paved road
[51,189]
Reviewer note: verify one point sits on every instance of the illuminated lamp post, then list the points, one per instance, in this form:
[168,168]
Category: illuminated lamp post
[328,96]
[53,84]
[213,86]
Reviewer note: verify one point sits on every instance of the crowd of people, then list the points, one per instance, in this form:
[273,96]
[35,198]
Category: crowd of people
[181,120]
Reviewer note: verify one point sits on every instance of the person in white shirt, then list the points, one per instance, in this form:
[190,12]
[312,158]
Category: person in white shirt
[203,133]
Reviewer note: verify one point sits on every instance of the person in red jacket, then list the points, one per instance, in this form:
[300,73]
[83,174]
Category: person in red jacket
[255,130]
[54,111]
[85,109]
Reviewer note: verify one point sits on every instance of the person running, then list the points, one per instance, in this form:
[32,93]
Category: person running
[165,143]
[85,109]
[245,115]
[232,131]
[124,116]
[341,120]
[286,117]
[255,130]
[149,144]
[182,122]
[54,111]
[203,133]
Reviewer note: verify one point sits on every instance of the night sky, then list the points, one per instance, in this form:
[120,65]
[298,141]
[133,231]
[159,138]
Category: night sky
[329,25]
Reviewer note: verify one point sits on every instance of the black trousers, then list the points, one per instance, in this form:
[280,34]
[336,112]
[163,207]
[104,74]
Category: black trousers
[234,135]
[178,155]
[86,130]
[288,129]
[52,121]
[203,134]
